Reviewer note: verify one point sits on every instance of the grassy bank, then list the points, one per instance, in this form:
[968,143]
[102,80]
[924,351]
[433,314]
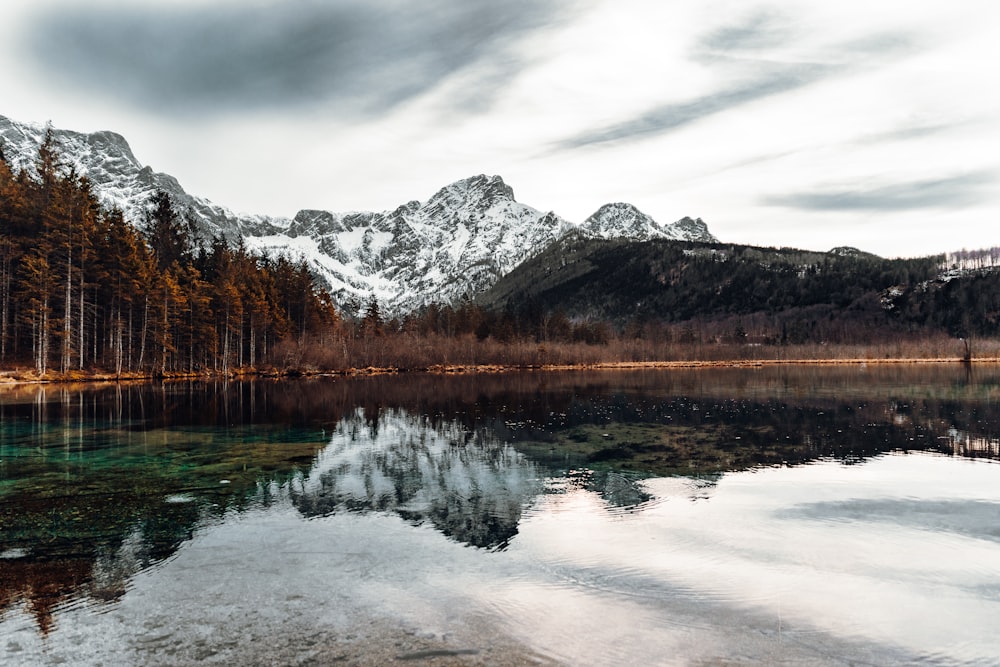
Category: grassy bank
[430,354]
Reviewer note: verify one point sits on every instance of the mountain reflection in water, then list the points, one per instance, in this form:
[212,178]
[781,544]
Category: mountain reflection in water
[468,484]
[100,483]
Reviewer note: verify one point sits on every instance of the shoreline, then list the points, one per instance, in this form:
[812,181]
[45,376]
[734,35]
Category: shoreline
[11,378]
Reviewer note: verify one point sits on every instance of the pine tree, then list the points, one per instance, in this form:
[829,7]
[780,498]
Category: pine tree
[85,288]
[166,233]
[37,285]
[371,323]
[13,207]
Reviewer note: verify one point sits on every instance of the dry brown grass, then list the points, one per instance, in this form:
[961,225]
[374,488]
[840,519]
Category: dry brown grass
[467,354]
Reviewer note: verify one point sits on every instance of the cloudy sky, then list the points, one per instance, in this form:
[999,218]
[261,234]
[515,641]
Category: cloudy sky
[872,123]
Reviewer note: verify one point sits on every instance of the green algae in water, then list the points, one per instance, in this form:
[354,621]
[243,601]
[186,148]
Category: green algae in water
[80,487]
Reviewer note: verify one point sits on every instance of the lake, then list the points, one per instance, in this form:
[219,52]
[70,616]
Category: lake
[800,515]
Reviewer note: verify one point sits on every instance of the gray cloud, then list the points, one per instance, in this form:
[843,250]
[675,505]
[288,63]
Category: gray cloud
[908,133]
[740,47]
[946,192]
[669,117]
[761,29]
[901,134]
[362,56]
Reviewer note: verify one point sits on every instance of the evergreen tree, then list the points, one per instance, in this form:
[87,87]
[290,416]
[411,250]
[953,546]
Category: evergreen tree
[166,233]
[371,323]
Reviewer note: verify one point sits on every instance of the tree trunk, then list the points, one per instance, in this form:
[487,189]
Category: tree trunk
[131,336]
[82,320]
[6,278]
[145,326]
[253,343]
[166,332]
[43,338]
[67,341]
[117,342]
[225,347]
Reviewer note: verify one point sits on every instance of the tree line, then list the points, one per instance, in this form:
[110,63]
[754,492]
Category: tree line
[83,288]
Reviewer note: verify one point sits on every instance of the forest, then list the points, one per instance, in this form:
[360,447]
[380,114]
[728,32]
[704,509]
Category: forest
[83,291]
[768,296]
[81,288]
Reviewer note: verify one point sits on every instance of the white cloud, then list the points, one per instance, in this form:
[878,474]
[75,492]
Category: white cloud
[750,116]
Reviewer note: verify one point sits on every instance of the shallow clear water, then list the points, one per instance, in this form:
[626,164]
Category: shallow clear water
[798,515]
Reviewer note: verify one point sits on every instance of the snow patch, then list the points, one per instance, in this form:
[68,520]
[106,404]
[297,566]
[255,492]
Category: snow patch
[351,240]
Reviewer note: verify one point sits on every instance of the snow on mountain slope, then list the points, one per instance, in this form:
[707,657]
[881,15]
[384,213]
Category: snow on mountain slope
[119,179]
[456,244]
[491,482]
[620,220]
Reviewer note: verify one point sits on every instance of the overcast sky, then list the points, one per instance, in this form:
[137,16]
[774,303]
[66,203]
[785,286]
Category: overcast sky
[871,123]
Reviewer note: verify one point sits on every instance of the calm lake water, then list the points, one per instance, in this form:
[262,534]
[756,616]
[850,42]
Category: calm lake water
[726,516]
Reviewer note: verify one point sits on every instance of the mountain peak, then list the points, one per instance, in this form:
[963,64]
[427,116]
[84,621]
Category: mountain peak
[617,207]
[484,182]
[487,190]
[623,220]
[110,142]
[690,229]
[619,219]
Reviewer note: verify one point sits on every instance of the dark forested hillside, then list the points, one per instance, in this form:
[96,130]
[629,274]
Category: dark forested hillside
[82,288]
[964,302]
[841,295]
[676,281]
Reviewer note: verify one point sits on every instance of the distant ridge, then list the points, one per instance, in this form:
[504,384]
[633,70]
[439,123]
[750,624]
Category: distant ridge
[456,244]
[625,221]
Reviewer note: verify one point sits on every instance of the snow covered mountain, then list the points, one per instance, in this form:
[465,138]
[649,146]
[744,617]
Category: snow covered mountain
[473,494]
[119,179]
[457,243]
[624,221]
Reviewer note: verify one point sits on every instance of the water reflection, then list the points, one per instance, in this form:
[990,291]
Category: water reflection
[469,484]
[96,485]
[971,518]
[100,483]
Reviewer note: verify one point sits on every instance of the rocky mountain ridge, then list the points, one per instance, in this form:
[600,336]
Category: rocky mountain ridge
[625,221]
[456,244]
[119,179]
